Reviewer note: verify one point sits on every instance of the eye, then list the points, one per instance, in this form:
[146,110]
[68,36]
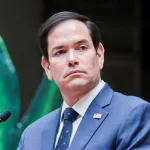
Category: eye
[60,52]
[82,47]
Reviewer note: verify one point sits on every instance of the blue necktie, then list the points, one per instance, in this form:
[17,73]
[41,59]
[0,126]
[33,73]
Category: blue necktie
[70,116]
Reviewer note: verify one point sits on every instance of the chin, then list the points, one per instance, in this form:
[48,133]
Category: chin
[77,83]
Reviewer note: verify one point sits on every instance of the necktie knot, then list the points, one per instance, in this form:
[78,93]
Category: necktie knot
[70,114]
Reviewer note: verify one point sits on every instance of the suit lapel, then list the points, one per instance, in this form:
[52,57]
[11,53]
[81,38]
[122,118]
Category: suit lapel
[50,131]
[89,125]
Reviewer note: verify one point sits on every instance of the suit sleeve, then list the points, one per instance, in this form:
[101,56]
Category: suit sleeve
[21,143]
[134,133]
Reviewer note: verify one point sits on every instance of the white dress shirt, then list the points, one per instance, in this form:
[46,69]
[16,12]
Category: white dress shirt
[80,107]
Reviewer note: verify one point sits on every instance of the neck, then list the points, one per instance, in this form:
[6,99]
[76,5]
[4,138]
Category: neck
[71,96]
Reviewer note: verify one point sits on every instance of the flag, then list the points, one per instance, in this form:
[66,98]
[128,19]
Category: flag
[9,96]
[46,98]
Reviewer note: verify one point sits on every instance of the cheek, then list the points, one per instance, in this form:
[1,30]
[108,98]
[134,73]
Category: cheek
[92,63]
[57,69]
[94,69]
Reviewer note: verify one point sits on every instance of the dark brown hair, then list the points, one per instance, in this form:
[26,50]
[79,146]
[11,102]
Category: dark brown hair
[60,17]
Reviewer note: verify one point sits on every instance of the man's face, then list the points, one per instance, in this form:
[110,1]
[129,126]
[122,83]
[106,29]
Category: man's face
[73,61]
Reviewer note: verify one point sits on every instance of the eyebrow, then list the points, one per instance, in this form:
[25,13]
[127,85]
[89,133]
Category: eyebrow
[76,43]
[57,47]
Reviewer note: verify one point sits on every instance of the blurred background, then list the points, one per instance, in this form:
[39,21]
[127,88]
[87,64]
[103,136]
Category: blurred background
[124,26]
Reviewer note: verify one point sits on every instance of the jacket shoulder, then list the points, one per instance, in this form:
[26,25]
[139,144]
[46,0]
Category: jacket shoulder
[128,100]
[39,124]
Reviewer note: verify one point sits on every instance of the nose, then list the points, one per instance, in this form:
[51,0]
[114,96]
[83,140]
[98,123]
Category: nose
[72,59]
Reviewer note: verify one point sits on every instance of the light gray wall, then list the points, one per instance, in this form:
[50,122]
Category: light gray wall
[19,23]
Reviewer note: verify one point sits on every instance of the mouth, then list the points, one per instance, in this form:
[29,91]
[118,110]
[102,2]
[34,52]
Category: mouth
[74,72]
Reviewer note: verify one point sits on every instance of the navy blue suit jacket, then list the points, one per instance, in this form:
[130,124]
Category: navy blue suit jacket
[124,125]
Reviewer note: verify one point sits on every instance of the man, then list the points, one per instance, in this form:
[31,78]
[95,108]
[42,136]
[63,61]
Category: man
[73,56]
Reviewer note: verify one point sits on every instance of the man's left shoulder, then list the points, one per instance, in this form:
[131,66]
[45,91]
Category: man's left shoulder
[130,101]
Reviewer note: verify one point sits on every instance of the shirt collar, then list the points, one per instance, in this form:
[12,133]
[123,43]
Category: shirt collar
[82,104]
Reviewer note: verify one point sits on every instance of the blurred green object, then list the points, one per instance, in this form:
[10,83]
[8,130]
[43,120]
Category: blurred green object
[9,96]
[47,97]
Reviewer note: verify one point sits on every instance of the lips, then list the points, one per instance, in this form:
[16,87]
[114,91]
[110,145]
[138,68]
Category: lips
[73,72]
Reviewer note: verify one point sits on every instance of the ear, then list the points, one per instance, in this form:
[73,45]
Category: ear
[100,54]
[45,64]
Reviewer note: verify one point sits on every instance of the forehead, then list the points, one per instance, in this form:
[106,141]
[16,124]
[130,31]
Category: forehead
[68,31]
